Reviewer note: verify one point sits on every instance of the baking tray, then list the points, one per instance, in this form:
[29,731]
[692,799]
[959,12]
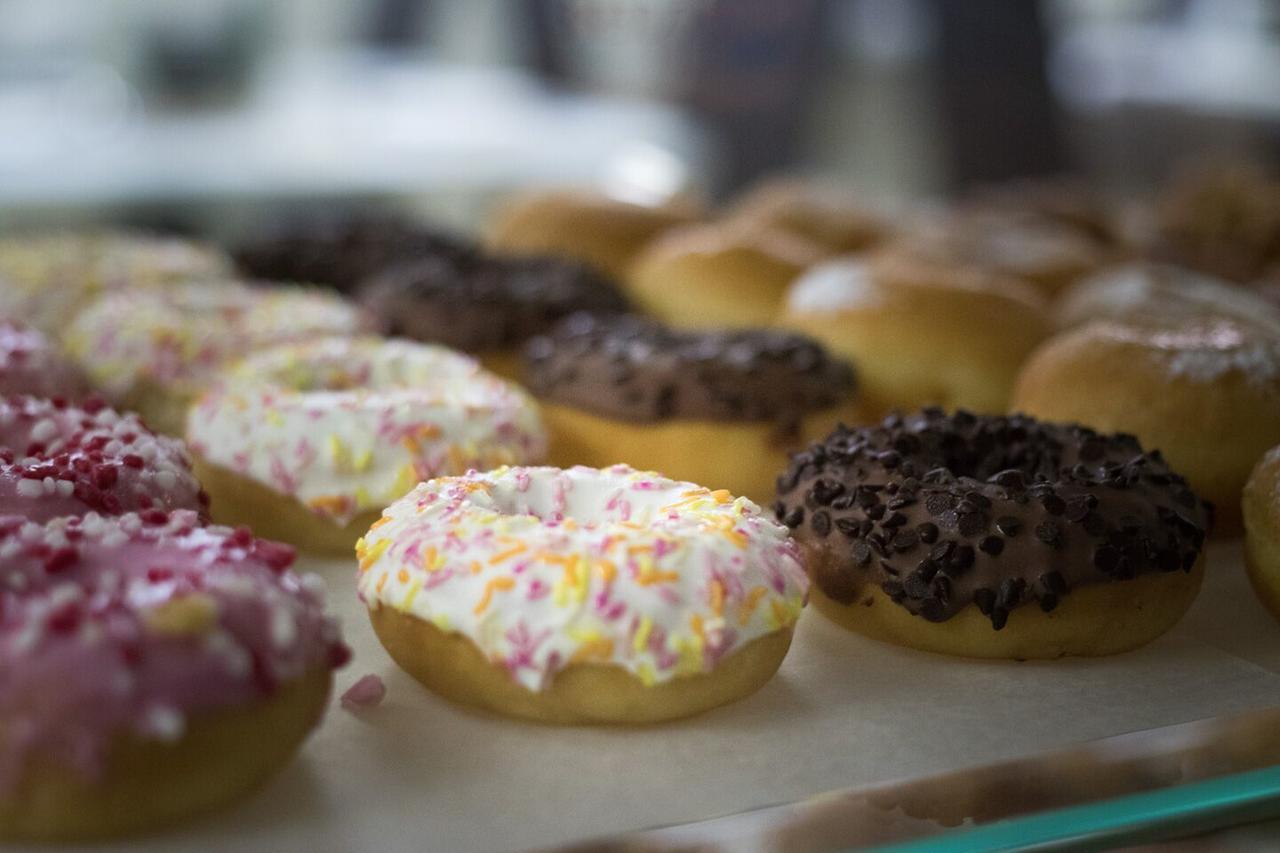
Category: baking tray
[417,773]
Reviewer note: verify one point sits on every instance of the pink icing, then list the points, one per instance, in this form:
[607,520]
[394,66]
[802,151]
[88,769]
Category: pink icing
[88,650]
[366,693]
[30,364]
[59,460]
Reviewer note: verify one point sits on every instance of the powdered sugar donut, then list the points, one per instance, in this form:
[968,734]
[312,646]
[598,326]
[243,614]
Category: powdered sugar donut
[151,669]
[308,442]
[59,460]
[1204,391]
[30,364]
[582,594]
[154,350]
[45,278]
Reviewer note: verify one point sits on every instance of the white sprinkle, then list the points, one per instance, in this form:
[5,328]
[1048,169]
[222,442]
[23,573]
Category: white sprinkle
[30,488]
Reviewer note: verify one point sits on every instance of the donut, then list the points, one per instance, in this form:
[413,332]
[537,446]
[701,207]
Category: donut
[1223,220]
[721,408]
[1146,291]
[812,212]
[994,537]
[1204,391]
[58,460]
[488,307]
[310,441]
[581,595]
[31,364]
[1260,507]
[920,334]
[1046,253]
[151,670]
[1060,201]
[46,278]
[590,227]
[719,276]
[341,249]
[154,350]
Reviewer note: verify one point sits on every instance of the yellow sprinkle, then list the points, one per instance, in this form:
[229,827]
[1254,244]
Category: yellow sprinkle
[411,594]
[372,554]
[338,453]
[441,621]
[489,588]
[406,479]
[596,648]
[188,616]
[749,604]
[641,638]
[363,460]
[274,418]
[646,675]
[360,547]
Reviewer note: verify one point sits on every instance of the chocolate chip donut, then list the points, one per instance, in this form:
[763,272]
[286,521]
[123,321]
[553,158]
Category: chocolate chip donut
[485,305]
[720,409]
[995,536]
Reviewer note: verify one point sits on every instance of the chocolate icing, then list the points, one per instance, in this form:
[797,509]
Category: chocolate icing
[478,303]
[634,369]
[941,511]
[342,250]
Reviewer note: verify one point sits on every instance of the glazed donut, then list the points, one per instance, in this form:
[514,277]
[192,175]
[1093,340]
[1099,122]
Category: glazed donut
[308,442]
[719,276]
[1158,292]
[1260,507]
[941,532]
[151,669]
[1043,252]
[721,408]
[58,460]
[595,229]
[812,212]
[1223,220]
[30,364]
[581,595]
[342,249]
[1205,392]
[487,306]
[154,350]
[46,278]
[921,334]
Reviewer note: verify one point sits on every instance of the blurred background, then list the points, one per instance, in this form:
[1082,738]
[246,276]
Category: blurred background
[207,114]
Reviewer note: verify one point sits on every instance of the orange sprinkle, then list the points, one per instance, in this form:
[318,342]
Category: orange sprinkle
[402,576]
[518,548]
[476,567]
[695,622]
[721,496]
[650,578]
[639,549]
[748,606]
[493,584]
[717,597]
[607,570]
[382,581]
[431,559]
[384,520]
[411,444]
[600,648]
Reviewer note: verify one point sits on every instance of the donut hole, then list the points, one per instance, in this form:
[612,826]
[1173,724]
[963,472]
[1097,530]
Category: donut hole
[594,500]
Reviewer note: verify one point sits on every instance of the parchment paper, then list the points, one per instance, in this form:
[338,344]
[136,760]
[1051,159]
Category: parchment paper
[417,773]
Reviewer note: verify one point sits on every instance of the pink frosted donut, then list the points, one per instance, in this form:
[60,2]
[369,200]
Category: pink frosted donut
[30,364]
[149,660]
[57,460]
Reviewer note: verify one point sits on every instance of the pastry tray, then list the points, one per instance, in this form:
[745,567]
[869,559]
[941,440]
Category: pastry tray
[417,773]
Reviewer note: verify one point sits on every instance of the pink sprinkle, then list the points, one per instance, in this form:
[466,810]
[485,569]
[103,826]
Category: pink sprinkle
[366,693]
[522,481]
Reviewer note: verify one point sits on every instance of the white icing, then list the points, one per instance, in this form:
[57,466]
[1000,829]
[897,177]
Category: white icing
[836,285]
[542,568]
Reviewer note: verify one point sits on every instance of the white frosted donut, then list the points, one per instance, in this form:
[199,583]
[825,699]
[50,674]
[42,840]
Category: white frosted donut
[543,569]
[45,278]
[31,364]
[154,349]
[346,426]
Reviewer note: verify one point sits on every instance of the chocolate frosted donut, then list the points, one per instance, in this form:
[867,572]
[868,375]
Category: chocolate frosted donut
[939,512]
[716,408]
[634,369]
[482,304]
[341,250]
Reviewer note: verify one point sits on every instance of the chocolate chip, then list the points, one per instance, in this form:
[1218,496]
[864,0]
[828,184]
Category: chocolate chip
[1010,594]
[933,610]
[985,599]
[894,590]
[1053,504]
[928,532]
[861,553]
[1008,525]
[794,518]
[916,585]
[960,561]
[1050,534]
[896,519]
[942,551]
[1105,559]
[849,527]
[971,524]
[992,545]
[905,540]
[938,503]
[820,522]
[875,513]
[825,491]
